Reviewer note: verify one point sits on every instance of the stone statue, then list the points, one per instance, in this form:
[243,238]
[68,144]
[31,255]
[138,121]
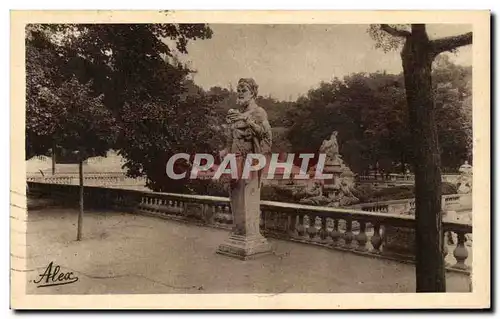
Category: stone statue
[339,190]
[464,182]
[346,196]
[250,132]
[330,147]
[465,169]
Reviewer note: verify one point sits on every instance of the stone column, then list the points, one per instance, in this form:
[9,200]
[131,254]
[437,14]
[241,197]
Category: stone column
[245,240]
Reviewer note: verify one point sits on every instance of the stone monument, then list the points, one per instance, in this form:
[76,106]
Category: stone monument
[336,191]
[249,133]
[333,164]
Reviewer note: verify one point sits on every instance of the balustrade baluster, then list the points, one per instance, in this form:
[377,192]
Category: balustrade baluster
[329,222]
[162,205]
[460,253]
[284,223]
[156,206]
[183,207]
[300,226]
[276,221]
[306,223]
[291,226]
[269,220]
[376,239]
[316,230]
[221,214]
[324,231]
[348,235]
[336,234]
[215,209]
[296,223]
[151,204]
[210,213]
[445,246]
[175,204]
[361,238]
[204,212]
[228,217]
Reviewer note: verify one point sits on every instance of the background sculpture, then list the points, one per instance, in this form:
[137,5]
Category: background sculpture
[339,190]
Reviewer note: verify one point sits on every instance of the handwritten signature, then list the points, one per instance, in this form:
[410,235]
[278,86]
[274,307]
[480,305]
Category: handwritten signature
[52,277]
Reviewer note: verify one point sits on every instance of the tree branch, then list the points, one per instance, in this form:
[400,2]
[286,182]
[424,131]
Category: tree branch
[395,32]
[450,43]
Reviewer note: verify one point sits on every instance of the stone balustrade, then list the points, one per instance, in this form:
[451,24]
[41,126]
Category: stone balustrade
[357,231]
[389,177]
[454,202]
[451,178]
[89,179]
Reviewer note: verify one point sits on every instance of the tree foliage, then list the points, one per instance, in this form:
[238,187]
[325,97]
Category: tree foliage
[61,111]
[371,115]
[133,74]
[125,84]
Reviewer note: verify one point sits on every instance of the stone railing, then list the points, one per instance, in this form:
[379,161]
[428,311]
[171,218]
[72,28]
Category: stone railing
[402,178]
[348,230]
[454,202]
[89,179]
[389,177]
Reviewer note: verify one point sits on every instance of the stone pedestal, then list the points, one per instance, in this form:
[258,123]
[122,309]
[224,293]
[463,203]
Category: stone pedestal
[331,186]
[244,247]
[245,240]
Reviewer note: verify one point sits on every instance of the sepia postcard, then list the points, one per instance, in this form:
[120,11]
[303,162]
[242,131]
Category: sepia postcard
[250,160]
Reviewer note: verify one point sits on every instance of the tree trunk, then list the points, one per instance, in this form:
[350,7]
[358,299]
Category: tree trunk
[53,160]
[417,62]
[403,164]
[80,213]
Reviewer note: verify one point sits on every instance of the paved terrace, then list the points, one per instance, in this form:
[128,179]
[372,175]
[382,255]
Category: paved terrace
[123,253]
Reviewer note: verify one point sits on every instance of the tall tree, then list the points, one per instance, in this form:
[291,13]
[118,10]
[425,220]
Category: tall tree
[136,70]
[62,111]
[417,55]
[453,100]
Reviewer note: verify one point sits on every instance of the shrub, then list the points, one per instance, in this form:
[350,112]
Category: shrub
[364,192]
[269,192]
[449,188]
[207,187]
[367,194]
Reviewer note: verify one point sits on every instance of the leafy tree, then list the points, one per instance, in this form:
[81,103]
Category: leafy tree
[417,54]
[62,112]
[371,114]
[158,111]
[368,112]
[453,102]
[192,126]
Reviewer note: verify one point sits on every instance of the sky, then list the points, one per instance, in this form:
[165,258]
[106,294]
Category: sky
[288,60]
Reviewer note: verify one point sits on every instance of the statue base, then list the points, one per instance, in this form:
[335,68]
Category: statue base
[244,248]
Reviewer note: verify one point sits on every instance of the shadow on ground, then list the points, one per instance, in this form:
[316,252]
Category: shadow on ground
[123,253]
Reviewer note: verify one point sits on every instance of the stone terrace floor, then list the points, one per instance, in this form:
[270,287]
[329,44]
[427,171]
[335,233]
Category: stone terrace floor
[123,253]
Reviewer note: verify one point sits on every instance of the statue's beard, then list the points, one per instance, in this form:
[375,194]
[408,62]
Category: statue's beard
[242,101]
